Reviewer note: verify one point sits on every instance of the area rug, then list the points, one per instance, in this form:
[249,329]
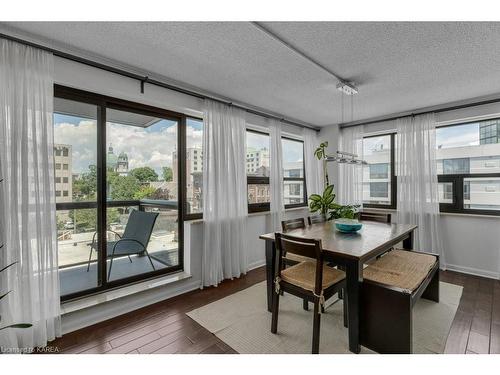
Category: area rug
[242,321]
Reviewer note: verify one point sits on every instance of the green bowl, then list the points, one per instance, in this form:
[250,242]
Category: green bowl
[348,225]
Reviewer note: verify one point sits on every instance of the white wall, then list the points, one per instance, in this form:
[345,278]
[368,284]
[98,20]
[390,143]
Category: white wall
[471,242]
[83,77]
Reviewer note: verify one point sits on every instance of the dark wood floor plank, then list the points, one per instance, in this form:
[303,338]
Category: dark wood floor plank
[459,333]
[478,343]
[481,322]
[134,344]
[178,346]
[495,338]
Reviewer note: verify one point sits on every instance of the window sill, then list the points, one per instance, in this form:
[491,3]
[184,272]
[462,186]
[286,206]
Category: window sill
[110,295]
[251,214]
[387,210]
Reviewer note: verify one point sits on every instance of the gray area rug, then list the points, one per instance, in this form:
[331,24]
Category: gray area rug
[242,321]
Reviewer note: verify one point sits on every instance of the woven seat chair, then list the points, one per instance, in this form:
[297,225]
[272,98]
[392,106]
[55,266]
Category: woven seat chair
[316,219]
[310,280]
[375,216]
[286,226]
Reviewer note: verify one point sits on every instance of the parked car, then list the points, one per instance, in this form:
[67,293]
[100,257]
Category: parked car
[69,225]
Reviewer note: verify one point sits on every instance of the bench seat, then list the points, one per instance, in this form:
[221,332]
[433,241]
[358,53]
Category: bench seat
[391,286]
[400,268]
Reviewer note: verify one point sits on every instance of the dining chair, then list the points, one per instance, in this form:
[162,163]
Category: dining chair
[316,219]
[381,217]
[287,225]
[312,281]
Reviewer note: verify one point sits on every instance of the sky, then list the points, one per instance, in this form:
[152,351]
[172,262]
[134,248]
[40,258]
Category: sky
[151,147]
[458,136]
[292,151]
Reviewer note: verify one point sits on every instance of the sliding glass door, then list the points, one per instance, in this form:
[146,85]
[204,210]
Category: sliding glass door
[119,180]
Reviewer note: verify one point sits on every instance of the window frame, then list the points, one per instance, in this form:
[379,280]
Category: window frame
[260,180]
[101,205]
[457,180]
[183,154]
[392,176]
[303,178]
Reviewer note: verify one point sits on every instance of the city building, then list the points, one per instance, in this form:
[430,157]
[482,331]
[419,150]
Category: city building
[117,163]
[258,162]
[194,180]
[63,173]
[481,158]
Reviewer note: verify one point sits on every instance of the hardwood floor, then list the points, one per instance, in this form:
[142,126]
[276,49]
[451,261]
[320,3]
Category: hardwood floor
[165,328]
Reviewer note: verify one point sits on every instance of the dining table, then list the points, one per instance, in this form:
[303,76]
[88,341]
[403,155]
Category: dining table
[349,251]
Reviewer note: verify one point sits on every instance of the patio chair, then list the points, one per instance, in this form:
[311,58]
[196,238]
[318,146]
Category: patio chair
[134,240]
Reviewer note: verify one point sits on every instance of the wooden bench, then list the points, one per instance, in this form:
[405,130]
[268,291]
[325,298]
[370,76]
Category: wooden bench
[391,287]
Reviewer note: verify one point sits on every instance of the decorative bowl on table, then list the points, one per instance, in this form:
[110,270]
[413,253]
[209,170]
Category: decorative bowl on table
[348,225]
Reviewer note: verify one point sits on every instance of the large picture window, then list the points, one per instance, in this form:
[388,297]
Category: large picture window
[468,165]
[114,159]
[258,168]
[379,181]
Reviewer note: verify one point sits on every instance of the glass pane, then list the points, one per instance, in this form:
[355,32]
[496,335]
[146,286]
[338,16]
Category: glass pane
[257,154]
[293,158]
[75,160]
[142,168]
[194,166]
[75,151]
[469,149]
[482,193]
[258,193]
[377,174]
[445,191]
[162,249]
[75,243]
[294,192]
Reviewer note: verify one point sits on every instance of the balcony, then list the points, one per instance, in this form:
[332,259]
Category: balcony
[77,230]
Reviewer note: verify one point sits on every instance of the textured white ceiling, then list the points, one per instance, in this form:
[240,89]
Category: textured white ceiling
[397,66]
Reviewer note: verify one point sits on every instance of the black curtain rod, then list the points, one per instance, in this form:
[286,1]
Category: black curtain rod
[436,109]
[146,79]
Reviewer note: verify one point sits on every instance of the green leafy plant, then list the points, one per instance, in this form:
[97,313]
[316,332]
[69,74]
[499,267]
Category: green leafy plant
[322,203]
[344,212]
[18,325]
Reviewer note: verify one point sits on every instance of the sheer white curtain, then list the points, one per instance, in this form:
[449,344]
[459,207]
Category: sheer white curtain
[225,207]
[276,176]
[314,167]
[27,196]
[350,185]
[418,201]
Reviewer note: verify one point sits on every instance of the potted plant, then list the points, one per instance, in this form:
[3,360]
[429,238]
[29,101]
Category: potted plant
[325,204]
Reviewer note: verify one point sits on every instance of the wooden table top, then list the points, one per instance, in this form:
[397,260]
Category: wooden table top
[372,237]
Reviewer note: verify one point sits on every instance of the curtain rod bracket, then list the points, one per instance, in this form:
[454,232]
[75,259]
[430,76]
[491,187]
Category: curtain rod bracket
[143,81]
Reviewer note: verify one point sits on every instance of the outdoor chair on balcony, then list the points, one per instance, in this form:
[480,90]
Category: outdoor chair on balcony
[134,240]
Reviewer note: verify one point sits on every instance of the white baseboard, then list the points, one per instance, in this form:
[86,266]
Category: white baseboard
[92,315]
[256,264]
[473,271]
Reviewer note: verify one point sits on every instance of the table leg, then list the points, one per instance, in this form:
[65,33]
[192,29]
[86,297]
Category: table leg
[270,272]
[408,242]
[353,275]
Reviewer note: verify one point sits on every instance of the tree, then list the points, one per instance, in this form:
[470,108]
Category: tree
[144,174]
[167,174]
[85,187]
[123,188]
[144,192]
